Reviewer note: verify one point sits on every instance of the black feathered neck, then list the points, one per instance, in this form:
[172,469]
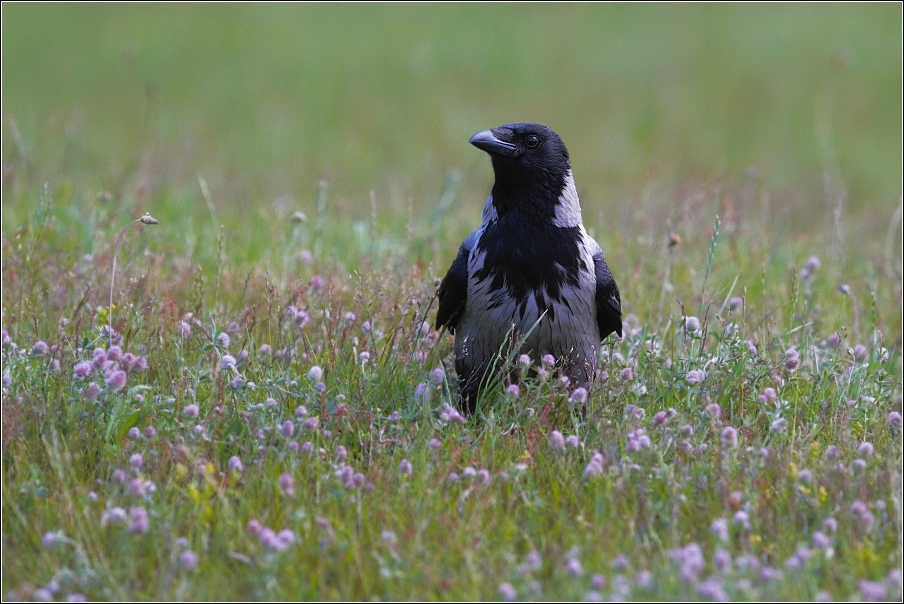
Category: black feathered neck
[532,180]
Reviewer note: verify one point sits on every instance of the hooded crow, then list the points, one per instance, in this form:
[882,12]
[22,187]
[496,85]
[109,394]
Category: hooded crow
[530,277]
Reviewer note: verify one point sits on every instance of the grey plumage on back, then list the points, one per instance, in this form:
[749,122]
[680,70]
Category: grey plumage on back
[530,280]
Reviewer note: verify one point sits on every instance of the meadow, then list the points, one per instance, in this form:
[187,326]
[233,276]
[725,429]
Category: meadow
[273,415]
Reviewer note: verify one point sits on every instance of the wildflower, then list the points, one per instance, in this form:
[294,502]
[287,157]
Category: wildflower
[40,348]
[626,374]
[82,370]
[714,410]
[483,476]
[572,441]
[139,522]
[287,483]
[695,376]
[223,339]
[114,354]
[437,376]
[116,380]
[830,524]
[778,425]
[364,357]
[405,467]
[872,591]
[861,353]
[638,440]
[712,589]
[735,303]
[183,329]
[719,528]
[660,418]
[287,428]
[276,541]
[435,444]
[137,488]
[645,580]
[597,581]
[235,463]
[813,264]
[690,559]
[579,396]
[573,567]
[805,476]
[188,560]
[556,440]
[792,359]
[894,420]
[730,437]
[865,449]
[691,324]
[49,540]
[394,416]
[136,461]
[867,519]
[115,515]
[742,519]
[307,448]
[311,423]
[832,453]
[316,283]
[595,466]
[513,391]
[422,392]
[191,410]
[507,592]
[134,433]
[768,395]
[340,453]
[821,540]
[227,362]
[469,472]
[315,373]
[524,361]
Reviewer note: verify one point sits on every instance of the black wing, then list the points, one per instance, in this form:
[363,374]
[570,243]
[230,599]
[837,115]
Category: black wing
[453,291]
[608,301]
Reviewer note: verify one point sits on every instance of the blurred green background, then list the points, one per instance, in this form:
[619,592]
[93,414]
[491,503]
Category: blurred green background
[266,100]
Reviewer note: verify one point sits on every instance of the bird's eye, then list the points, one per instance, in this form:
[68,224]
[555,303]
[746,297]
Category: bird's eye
[532,141]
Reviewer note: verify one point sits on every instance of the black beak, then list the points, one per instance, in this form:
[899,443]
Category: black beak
[488,142]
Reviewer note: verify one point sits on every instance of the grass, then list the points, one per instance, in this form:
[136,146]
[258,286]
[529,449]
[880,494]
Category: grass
[284,426]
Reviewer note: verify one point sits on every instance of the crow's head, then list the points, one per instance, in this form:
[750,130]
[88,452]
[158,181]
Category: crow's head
[531,166]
